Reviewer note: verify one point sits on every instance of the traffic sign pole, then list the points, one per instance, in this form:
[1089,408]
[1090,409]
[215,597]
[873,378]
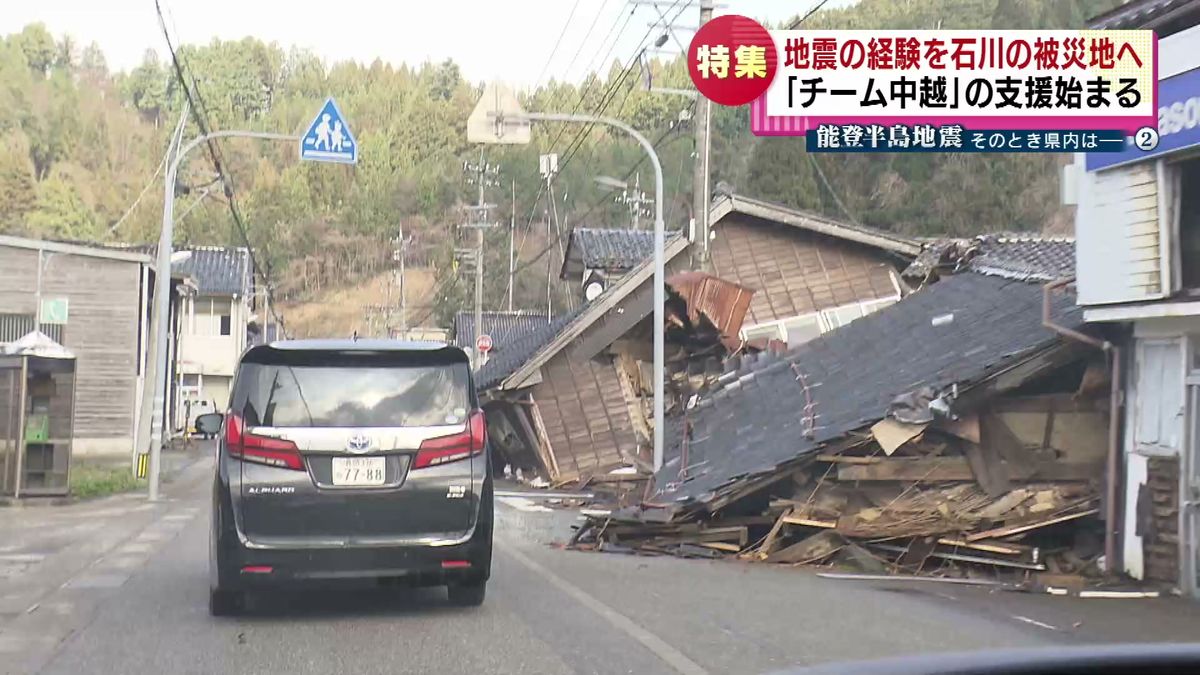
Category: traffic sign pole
[332,141]
[162,291]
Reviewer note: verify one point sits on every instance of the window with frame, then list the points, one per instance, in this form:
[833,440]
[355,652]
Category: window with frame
[769,331]
[800,329]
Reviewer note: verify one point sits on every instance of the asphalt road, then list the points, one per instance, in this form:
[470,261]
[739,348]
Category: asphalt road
[139,606]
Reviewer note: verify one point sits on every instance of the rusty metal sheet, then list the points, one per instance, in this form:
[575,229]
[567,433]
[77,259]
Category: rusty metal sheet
[722,302]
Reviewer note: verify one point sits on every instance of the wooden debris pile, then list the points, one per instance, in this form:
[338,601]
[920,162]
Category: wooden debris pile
[899,499]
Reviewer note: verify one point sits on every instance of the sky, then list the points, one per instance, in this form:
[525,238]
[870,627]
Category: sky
[508,40]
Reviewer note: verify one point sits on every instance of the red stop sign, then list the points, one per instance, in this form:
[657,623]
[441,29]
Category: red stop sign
[484,344]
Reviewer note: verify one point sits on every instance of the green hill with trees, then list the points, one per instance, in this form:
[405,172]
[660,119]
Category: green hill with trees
[82,147]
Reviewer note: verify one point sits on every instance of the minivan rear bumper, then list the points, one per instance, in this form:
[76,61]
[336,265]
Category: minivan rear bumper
[413,564]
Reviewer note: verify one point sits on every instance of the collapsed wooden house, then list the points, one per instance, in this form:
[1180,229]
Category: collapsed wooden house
[571,401]
[955,426]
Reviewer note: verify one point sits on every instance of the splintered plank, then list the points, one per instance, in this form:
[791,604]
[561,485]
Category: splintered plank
[1018,529]
[808,522]
[721,546]
[848,459]
[768,543]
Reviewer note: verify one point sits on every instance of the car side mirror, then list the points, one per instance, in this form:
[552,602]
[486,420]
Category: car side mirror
[209,423]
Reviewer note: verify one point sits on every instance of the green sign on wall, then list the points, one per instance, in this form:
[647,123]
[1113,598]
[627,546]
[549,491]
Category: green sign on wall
[54,310]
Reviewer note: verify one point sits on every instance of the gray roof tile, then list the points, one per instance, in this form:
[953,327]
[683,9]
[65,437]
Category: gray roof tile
[1020,257]
[506,358]
[503,327]
[613,249]
[757,418]
[218,270]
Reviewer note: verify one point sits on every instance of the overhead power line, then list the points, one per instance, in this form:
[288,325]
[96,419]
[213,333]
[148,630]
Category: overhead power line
[612,92]
[200,116]
[557,43]
[816,8]
[596,19]
[149,183]
[585,89]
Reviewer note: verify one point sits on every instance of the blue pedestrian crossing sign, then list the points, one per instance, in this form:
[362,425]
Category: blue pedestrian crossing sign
[328,138]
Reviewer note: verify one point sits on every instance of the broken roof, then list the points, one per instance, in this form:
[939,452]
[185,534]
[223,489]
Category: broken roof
[1012,256]
[590,313]
[613,249]
[217,270]
[769,410]
[503,327]
[806,220]
[511,354]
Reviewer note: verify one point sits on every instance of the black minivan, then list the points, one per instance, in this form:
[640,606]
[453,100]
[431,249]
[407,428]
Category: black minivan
[345,460]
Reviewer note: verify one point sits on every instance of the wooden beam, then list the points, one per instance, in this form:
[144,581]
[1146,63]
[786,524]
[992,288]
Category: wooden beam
[846,459]
[1018,529]
[543,445]
[958,469]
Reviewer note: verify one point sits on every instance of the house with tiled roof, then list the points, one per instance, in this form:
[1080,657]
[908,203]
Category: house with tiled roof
[580,399]
[596,257]
[214,327]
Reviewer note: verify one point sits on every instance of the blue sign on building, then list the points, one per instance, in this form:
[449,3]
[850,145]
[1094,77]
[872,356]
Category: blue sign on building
[1178,123]
[328,138]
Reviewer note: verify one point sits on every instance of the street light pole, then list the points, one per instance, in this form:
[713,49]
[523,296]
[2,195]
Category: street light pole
[660,293]
[162,290]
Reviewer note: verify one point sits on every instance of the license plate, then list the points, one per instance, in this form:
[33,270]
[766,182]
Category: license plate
[359,471]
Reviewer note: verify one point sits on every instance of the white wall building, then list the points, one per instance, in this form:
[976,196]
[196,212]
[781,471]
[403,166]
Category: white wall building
[213,328]
[1138,274]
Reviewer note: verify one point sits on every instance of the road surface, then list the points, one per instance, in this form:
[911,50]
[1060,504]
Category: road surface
[120,586]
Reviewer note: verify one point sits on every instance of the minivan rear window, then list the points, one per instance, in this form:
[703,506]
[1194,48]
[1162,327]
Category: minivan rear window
[280,395]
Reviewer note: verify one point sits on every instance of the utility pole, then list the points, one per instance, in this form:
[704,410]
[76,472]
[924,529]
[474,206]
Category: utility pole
[700,166]
[162,283]
[403,283]
[483,175]
[512,233]
[548,167]
[398,282]
[700,121]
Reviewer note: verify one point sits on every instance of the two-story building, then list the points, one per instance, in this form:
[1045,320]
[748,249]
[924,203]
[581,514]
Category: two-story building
[1138,274]
[213,328]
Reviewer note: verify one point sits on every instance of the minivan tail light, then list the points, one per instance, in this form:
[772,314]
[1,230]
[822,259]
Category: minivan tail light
[251,447]
[445,449]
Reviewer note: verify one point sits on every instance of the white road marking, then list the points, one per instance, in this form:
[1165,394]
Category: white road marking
[1034,622]
[522,504]
[98,581]
[659,647]
[22,558]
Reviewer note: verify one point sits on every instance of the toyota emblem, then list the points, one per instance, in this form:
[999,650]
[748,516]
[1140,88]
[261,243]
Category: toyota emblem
[359,442]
